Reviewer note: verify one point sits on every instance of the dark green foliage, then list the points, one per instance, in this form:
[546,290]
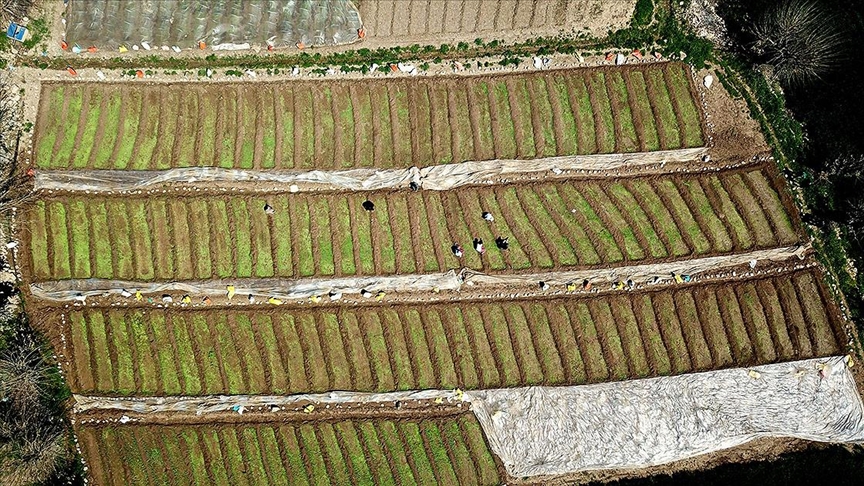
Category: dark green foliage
[642,14]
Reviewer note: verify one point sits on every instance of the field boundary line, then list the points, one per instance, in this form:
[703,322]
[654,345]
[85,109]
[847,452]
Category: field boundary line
[437,178]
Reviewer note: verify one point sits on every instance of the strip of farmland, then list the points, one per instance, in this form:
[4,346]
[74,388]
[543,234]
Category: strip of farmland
[413,451]
[393,123]
[556,341]
[567,225]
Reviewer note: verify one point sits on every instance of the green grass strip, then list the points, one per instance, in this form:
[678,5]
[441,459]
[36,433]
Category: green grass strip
[639,94]
[461,347]
[99,342]
[101,240]
[540,218]
[378,353]
[597,86]
[568,142]
[629,141]
[399,113]
[53,96]
[520,95]
[216,465]
[547,350]
[245,337]
[121,344]
[680,85]
[242,238]
[471,318]
[284,326]
[315,359]
[205,338]
[88,133]
[384,156]
[320,210]
[532,372]
[487,470]
[248,112]
[344,158]
[285,105]
[611,252]
[129,131]
[397,454]
[294,460]
[483,129]
[81,350]
[268,128]
[228,350]
[118,215]
[721,240]
[59,240]
[627,201]
[586,333]
[646,195]
[700,242]
[195,454]
[234,456]
[376,457]
[580,102]
[228,103]
[334,350]
[342,234]
[662,105]
[506,137]
[332,448]
[261,241]
[730,213]
[182,242]
[497,326]
[604,206]
[272,355]
[447,377]
[438,453]
[364,138]
[148,383]
[165,354]
[200,234]
[423,469]
[149,137]
[63,157]
[361,474]
[186,356]
[419,349]
[652,338]
[252,455]
[398,344]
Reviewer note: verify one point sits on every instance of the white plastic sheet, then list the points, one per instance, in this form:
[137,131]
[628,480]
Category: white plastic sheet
[438,178]
[67,290]
[557,430]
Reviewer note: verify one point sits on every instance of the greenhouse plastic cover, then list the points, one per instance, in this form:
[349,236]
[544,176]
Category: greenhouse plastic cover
[539,431]
[439,178]
[60,290]
[558,430]
[220,23]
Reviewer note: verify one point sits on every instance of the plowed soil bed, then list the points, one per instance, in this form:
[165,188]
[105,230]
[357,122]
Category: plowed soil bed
[554,341]
[561,225]
[428,451]
[370,123]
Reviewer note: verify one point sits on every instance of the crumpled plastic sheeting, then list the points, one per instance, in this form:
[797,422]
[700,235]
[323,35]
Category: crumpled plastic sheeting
[640,423]
[226,403]
[60,290]
[224,24]
[438,178]
[67,290]
[639,273]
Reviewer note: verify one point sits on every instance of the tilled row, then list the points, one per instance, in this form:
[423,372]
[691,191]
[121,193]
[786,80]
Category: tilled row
[449,450]
[560,225]
[394,123]
[554,341]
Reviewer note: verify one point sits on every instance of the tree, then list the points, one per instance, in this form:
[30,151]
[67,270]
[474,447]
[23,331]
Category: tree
[798,40]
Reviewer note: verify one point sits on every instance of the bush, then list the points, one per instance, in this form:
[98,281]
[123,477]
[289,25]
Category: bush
[643,13]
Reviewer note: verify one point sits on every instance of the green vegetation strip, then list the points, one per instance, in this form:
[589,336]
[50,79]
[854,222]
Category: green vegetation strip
[560,341]
[361,452]
[134,126]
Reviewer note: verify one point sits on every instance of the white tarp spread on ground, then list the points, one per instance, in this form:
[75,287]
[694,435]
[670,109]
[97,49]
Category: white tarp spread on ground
[640,423]
[639,273]
[60,290]
[438,178]
[262,287]
[227,403]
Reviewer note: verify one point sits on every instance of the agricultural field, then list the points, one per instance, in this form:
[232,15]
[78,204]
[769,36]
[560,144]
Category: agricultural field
[475,345]
[405,21]
[561,225]
[448,451]
[393,123]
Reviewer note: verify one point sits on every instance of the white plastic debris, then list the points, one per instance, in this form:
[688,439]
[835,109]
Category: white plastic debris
[11,244]
[176,49]
[145,45]
[100,75]
[620,59]
[407,68]
[708,81]
[538,63]
[125,419]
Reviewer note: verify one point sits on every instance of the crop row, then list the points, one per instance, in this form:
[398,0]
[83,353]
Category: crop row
[408,452]
[554,341]
[374,123]
[549,225]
